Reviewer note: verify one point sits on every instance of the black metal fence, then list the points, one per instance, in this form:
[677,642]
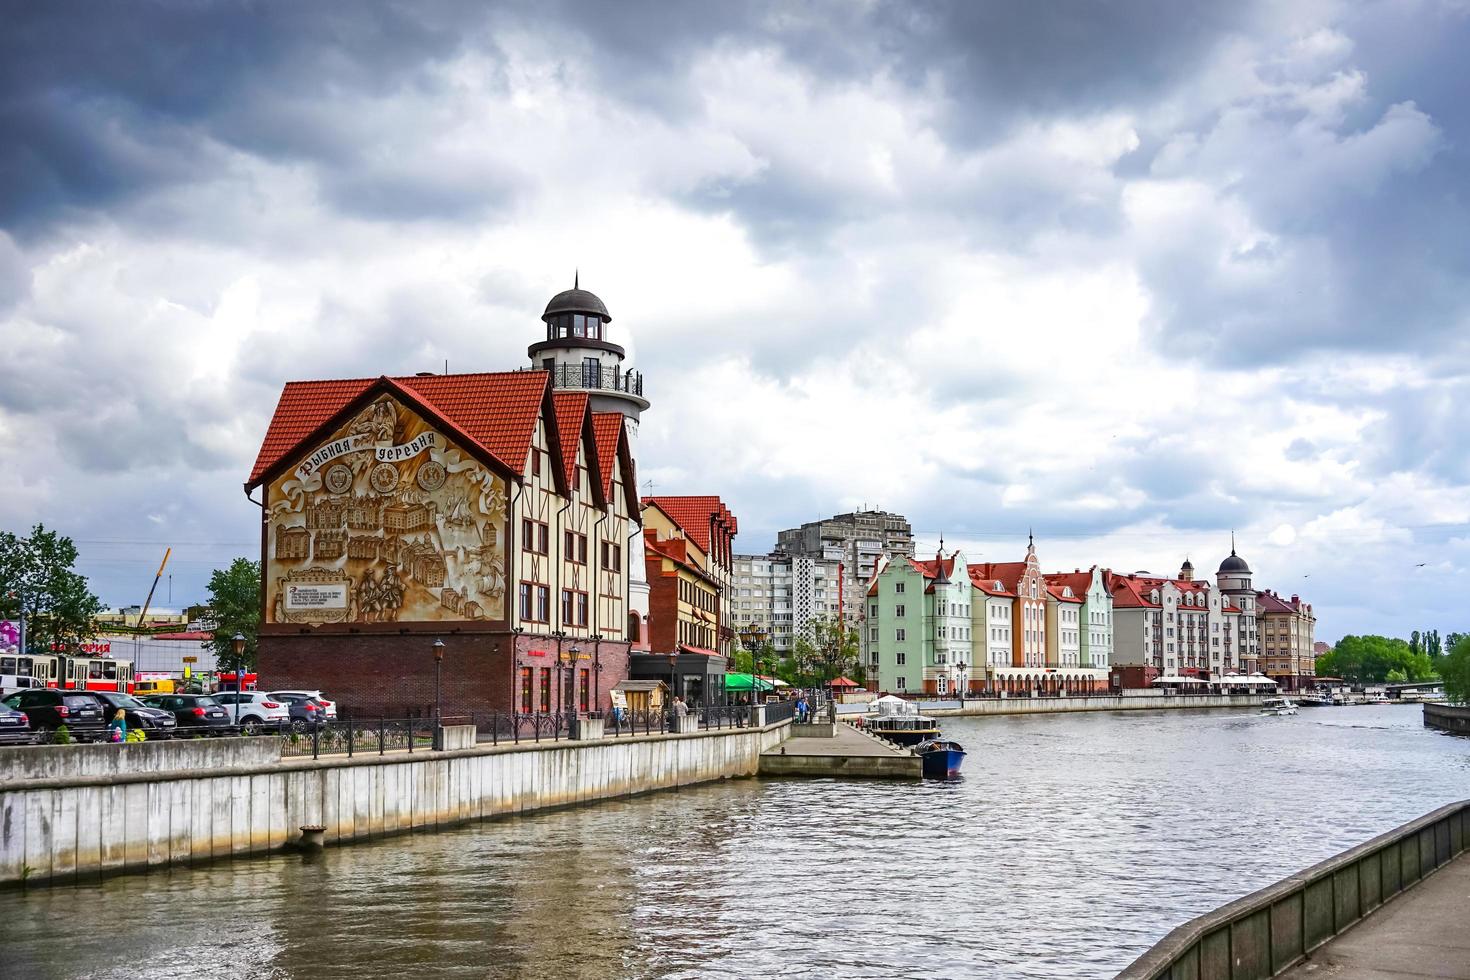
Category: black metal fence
[780,711]
[356,737]
[624,722]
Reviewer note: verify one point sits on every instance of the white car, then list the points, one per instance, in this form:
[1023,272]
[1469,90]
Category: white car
[317,696]
[253,710]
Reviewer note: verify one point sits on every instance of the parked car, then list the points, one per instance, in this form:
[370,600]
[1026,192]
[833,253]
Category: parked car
[253,710]
[48,709]
[331,706]
[306,711]
[15,727]
[196,714]
[153,722]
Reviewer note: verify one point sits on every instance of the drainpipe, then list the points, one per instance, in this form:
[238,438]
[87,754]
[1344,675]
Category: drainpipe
[510,552]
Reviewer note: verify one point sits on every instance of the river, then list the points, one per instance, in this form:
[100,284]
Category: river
[1073,843]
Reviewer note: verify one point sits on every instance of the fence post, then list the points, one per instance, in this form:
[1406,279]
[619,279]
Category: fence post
[351,738]
[380,733]
[315,740]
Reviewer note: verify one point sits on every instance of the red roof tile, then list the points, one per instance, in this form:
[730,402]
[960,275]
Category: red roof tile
[497,411]
[607,429]
[571,416]
[694,515]
[1009,573]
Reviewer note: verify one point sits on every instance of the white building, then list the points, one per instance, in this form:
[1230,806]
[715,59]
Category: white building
[781,594]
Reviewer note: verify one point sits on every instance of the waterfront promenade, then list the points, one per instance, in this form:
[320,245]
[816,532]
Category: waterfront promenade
[1422,933]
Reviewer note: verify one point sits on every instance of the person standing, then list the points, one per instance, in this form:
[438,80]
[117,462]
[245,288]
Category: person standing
[117,728]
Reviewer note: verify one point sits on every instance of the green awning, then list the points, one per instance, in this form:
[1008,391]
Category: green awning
[743,682]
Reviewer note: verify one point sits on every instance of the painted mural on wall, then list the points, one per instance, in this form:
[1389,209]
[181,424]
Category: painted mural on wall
[386,521]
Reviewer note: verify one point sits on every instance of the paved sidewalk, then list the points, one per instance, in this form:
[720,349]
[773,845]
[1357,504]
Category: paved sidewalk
[1425,932]
[848,752]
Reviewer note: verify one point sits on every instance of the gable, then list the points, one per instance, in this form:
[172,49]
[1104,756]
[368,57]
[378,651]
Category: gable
[387,518]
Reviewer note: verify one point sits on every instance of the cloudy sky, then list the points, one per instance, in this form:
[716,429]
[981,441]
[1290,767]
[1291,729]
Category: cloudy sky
[1130,273]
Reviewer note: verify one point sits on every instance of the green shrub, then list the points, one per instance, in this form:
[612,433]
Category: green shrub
[62,736]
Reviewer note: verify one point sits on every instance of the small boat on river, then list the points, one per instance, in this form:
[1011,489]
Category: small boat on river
[1277,706]
[942,758]
[899,721]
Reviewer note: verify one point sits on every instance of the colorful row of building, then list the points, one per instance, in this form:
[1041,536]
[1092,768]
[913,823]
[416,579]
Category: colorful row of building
[945,626]
[478,541]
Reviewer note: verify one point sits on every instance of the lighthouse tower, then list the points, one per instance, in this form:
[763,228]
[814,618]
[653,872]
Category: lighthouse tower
[580,354]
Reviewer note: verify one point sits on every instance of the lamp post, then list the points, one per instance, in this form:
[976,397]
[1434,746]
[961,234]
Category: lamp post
[572,678]
[438,685]
[673,665]
[960,668]
[237,643]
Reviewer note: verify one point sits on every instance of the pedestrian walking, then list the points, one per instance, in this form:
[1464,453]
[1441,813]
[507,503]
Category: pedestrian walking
[117,728]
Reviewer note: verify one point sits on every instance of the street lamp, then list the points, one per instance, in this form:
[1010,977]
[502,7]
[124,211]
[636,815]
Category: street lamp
[438,684]
[571,676]
[673,664]
[960,668]
[237,643]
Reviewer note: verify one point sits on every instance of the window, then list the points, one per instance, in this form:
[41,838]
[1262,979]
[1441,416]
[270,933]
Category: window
[543,539]
[581,609]
[525,704]
[526,612]
[898,610]
[543,603]
[901,684]
[574,547]
[898,587]
[566,606]
[899,635]
[546,690]
[591,373]
[584,688]
[900,658]
[535,462]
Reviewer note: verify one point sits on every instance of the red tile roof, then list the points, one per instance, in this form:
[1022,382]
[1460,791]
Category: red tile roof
[1009,573]
[1078,582]
[1057,593]
[694,515]
[607,430]
[571,416]
[986,583]
[497,412]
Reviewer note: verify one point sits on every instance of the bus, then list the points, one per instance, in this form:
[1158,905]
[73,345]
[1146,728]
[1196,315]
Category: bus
[225,681]
[24,670]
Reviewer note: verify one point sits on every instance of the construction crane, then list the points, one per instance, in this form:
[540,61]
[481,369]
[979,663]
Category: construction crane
[143,616]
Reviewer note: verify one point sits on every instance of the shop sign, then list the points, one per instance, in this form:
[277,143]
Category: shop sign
[535,653]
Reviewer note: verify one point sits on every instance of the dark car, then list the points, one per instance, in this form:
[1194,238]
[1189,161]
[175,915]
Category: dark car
[154,722]
[50,708]
[195,714]
[15,726]
[306,712]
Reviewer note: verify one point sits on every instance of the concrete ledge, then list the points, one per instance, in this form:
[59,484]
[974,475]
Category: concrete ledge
[26,764]
[843,766]
[1447,718]
[451,737]
[825,729]
[1271,930]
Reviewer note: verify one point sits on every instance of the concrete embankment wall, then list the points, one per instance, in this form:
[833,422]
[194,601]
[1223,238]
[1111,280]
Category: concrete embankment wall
[69,811]
[1447,718]
[1268,932]
[1029,706]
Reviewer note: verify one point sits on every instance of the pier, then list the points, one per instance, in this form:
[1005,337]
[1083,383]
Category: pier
[837,749]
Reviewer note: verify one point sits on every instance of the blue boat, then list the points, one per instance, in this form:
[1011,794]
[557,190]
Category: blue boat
[942,758]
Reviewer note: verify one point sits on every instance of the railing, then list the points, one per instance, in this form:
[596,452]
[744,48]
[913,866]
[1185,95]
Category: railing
[354,737]
[718,716]
[780,711]
[626,722]
[1269,931]
[602,378]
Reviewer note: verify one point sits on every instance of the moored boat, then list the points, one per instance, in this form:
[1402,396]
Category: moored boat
[942,758]
[899,721]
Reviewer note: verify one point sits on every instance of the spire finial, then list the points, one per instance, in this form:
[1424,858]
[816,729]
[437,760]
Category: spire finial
[1232,542]
[941,544]
[1030,538]
[576,278]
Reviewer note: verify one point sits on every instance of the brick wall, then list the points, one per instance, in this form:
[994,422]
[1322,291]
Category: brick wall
[663,614]
[393,675]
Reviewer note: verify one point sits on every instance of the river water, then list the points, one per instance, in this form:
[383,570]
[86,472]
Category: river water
[1072,844]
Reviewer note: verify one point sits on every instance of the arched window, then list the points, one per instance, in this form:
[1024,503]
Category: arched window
[634,627]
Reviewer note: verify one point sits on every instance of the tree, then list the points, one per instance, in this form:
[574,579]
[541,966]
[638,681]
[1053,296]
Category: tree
[1369,659]
[1414,644]
[834,646]
[1455,669]
[1432,644]
[234,598]
[37,581]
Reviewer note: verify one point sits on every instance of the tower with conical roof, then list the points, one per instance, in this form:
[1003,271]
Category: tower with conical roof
[1234,582]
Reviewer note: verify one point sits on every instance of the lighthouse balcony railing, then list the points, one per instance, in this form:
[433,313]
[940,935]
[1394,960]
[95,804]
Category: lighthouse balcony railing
[597,378]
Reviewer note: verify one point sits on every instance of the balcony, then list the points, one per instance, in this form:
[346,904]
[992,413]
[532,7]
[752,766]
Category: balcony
[597,378]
